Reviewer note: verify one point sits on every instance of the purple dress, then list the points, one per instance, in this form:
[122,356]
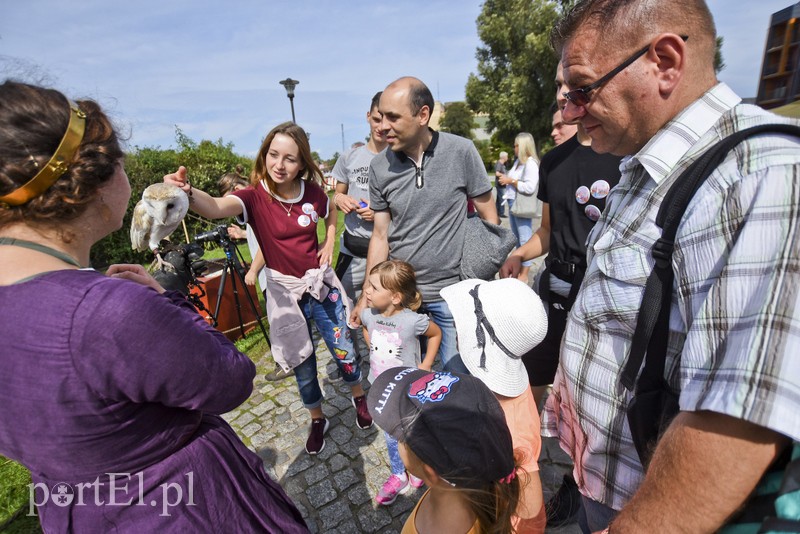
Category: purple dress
[110,397]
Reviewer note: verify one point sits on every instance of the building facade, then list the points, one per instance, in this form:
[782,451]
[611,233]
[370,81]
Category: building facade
[780,69]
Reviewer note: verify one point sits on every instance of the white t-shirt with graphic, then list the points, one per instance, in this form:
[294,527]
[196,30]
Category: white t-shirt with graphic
[394,341]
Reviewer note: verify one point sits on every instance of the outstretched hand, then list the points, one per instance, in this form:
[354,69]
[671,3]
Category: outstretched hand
[135,273]
[179,179]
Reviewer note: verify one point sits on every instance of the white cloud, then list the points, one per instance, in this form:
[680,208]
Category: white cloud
[213,68]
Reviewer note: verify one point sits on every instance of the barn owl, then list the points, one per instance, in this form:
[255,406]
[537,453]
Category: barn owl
[156,216]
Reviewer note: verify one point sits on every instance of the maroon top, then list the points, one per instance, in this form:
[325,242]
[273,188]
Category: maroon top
[289,241]
[104,375]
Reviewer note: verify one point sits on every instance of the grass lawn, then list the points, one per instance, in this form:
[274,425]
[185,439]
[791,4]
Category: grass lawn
[14,478]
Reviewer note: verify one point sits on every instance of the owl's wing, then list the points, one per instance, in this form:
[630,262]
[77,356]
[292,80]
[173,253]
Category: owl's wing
[140,227]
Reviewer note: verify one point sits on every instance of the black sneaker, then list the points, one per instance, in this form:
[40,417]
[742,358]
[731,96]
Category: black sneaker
[316,438]
[563,508]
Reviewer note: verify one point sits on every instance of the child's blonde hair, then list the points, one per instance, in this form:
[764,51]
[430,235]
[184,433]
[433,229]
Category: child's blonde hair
[399,277]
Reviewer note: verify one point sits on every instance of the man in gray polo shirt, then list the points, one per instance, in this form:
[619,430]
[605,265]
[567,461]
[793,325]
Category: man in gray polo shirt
[418,191]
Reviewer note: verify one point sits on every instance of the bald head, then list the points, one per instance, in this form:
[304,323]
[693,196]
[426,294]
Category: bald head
[417,93]
[629,24]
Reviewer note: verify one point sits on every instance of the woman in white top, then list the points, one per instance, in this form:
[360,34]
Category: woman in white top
[523,179]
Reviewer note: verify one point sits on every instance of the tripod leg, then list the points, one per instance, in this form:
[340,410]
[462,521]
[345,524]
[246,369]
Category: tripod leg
[253,307]
[220,291]
[236,273]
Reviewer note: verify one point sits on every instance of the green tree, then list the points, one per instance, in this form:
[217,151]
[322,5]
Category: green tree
[331,162]
[719,62]
[490,151]
[458,120]
[206,162]
[516,66]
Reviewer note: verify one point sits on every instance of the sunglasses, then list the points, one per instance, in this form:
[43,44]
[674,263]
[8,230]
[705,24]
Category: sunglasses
[582,95]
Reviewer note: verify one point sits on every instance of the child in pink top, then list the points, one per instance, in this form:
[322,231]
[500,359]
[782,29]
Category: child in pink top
[497,322]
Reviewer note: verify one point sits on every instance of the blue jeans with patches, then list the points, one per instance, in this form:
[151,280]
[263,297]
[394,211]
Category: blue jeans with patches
[395,462]
[331,320]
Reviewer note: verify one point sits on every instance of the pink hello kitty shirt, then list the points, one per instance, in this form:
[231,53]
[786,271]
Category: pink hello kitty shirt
[394,341]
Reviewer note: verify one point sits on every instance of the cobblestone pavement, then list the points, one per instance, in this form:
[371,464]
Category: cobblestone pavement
[335,490]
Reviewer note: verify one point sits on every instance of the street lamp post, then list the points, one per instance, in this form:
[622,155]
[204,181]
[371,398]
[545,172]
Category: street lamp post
[289,84]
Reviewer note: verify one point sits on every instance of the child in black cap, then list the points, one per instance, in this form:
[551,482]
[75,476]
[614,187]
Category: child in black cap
[453,435]
[498,322]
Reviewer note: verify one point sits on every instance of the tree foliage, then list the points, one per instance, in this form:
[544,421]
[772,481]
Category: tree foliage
[489,151]
[205,161]
[719,62]
[516,66]
[458,120]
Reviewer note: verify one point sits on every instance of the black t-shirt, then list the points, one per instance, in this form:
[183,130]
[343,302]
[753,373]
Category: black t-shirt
[574,180]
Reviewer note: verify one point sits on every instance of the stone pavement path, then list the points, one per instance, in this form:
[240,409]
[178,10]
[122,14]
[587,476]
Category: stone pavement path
[335,490]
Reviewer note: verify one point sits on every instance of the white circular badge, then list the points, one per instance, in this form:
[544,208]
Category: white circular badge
[304,220]
[582,194]
[600,189]
[308,208]
[593,212]
[314,216]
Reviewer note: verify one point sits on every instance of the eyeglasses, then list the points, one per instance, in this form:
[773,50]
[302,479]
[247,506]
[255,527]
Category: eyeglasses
[581,96]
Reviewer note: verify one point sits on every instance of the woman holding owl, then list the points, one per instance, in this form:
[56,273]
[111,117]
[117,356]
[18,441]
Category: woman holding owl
[282,205]
[111,386]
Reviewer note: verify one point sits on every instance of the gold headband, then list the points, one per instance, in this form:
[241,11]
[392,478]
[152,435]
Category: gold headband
[57,165]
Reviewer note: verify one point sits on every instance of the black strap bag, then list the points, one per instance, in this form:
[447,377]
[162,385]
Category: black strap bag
[358,246]
[654,404]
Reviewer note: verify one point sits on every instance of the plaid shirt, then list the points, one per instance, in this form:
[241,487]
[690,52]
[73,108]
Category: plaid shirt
[734,343]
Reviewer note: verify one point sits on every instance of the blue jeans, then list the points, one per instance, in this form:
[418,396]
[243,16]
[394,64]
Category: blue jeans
[594,516]
[395,462]
[522,228]
[330,318]
[448,350]
[498,200]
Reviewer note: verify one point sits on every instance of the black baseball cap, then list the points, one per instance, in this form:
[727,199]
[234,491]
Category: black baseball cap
[452,422]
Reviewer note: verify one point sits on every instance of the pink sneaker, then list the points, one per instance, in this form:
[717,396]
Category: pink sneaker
[393,487]
[415,482]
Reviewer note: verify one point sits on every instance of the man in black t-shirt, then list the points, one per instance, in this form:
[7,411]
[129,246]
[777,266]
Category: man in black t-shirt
[574,182]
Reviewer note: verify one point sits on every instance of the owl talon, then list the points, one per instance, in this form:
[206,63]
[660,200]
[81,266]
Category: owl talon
[159,260]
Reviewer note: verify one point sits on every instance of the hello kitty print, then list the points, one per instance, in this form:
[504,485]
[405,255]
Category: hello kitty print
[394,340]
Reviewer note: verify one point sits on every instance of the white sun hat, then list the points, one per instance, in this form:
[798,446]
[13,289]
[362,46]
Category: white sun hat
[497,322]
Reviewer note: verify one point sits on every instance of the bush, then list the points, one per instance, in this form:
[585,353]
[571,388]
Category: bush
[14,491]
[206,162]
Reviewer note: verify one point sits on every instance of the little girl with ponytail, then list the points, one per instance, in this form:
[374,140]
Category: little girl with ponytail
[392,329]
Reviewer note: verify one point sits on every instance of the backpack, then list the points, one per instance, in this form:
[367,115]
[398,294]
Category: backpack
[774,506]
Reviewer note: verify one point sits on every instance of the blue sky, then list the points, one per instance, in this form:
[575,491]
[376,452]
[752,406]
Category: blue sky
[212,68]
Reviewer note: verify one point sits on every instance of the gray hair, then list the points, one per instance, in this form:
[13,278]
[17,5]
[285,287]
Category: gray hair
[628,20]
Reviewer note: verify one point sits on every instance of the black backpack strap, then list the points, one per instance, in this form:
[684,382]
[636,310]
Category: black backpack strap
[652,326]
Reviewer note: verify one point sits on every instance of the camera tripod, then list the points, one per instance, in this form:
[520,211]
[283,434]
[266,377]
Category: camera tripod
[235,270]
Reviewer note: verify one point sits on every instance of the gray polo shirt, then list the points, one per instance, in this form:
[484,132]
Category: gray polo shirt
[428,206]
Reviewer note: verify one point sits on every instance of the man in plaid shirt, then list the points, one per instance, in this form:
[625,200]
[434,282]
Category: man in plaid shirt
[642,80]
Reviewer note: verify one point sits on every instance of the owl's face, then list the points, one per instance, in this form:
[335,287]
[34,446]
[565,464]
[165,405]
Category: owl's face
[164,212]
[167,205]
